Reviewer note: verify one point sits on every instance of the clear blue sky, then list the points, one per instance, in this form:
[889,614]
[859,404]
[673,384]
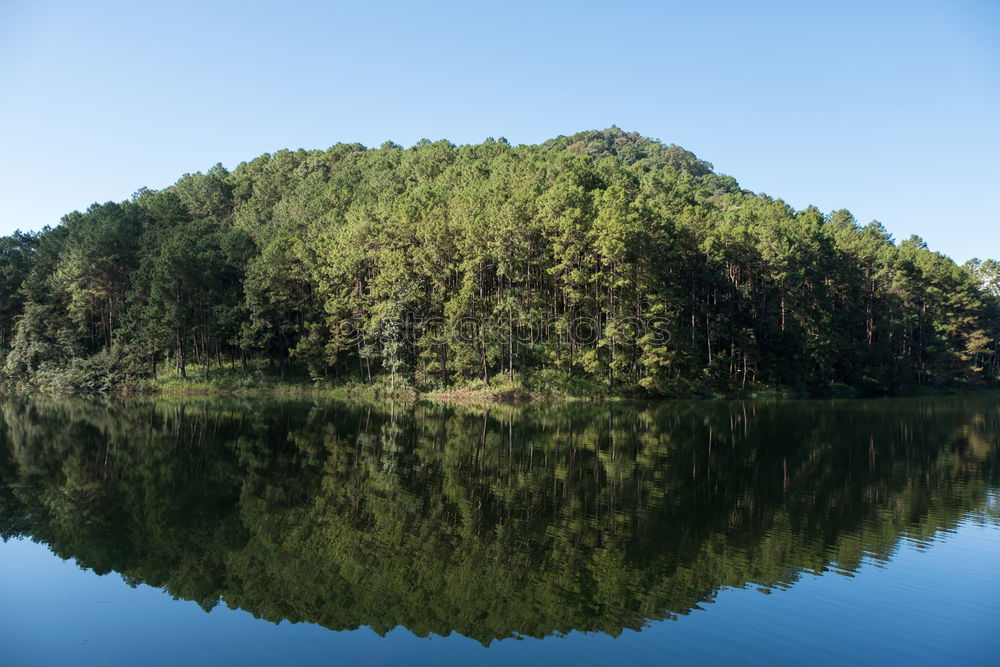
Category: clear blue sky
[889,109]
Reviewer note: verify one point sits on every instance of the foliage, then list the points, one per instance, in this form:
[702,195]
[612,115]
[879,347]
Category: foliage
[599,263]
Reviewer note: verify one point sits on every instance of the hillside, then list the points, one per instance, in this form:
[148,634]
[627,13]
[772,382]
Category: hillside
[598,263]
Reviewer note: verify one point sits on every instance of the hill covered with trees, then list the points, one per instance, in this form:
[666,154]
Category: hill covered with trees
[602,262]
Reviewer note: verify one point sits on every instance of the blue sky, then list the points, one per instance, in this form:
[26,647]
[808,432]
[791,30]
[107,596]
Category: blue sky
[889,109]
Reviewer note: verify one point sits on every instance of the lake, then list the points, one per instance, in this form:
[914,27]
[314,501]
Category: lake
[262,531]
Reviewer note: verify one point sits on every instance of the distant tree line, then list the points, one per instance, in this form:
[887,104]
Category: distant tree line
[262,267]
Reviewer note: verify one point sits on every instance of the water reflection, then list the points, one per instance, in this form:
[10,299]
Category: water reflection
[490,523]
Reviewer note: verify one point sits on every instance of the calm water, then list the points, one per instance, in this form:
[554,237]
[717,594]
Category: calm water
[262,532]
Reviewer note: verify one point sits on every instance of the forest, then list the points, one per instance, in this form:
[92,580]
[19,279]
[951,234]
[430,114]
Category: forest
[602,263]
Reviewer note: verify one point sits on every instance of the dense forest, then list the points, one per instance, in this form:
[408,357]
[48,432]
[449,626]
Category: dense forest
[602,262]
[490,523]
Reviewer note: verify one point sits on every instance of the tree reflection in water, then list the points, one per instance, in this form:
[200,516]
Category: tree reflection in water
[493,522]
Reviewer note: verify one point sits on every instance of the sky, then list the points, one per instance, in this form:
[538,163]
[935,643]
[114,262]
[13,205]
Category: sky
[889,109]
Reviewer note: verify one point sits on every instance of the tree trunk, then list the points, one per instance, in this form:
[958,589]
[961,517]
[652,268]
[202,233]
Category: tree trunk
[181,361]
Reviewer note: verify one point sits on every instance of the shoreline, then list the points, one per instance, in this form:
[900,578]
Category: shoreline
[521,391]
[499,395]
